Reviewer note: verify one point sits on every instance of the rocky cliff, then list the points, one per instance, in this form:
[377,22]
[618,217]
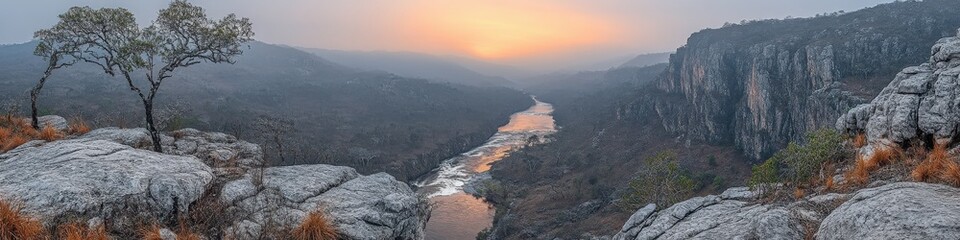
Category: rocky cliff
[105,177]
[921,104]
[762,84]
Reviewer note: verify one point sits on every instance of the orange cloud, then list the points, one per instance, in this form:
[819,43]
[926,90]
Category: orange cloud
[498,29]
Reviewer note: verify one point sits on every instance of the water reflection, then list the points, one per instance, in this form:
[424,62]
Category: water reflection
[459,215]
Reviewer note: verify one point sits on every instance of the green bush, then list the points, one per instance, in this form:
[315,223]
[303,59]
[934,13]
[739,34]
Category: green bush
[662,183]
[798,163]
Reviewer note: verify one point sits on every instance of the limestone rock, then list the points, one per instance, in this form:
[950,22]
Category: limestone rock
[903,210]
[713,217]
[56,122]
[361,207]
[97,178]
[921,101]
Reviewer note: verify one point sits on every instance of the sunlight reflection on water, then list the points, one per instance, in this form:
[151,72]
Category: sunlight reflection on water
[459,215]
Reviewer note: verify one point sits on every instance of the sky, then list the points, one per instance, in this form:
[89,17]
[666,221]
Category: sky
[532,34]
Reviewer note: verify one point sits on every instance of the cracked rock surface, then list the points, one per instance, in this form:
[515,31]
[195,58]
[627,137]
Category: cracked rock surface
[361,207]
[98,178]
[900,210]
[109,174]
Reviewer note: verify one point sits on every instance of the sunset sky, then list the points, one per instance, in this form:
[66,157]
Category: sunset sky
[535,34]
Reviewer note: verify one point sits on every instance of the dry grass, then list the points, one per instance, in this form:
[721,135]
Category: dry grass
[50,134]
[828,184]
[939,166]
[799,193]
[315,227]
[78,127]
[882,156]
[151,232]
[860,172]
[859,140]
[15,131]
[15,225]
[80,231]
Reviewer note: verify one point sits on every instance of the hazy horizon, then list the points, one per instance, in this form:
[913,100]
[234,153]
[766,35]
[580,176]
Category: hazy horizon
[532,35]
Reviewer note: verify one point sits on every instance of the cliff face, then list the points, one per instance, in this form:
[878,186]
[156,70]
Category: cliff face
[761,84]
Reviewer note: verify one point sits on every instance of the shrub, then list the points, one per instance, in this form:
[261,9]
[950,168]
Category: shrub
[798,164]
[662,183]
[80,231]
[15,225]
[315,227]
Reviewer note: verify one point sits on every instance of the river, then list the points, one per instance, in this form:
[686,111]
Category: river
[459,215]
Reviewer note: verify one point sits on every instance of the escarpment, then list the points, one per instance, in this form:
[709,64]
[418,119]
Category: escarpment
[921,106]
[763,84]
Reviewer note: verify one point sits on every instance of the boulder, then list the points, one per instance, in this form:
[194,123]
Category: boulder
[921,101]
[215,149]
[727,216]
[97,178]
[904,210]
[361,207]
[56,122]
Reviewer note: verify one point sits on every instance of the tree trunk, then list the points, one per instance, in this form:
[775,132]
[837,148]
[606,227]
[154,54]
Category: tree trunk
[154,133]
[34,93]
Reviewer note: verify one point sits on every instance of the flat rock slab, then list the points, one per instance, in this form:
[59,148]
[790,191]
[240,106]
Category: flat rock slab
[361,207]
[98,178]
[904,210]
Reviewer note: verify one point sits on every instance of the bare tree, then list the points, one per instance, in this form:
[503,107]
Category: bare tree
[275,131]
[57,52]
[181,36]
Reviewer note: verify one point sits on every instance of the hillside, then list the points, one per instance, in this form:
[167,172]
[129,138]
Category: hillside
[413,65]
[372,121]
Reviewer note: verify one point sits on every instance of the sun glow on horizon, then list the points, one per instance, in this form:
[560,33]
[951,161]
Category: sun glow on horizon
[505,29]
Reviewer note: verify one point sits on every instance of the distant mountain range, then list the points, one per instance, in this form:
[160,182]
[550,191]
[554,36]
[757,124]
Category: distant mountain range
[417,65]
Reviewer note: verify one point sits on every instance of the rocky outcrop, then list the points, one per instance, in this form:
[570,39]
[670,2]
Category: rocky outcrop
[98,178]
[56,122]
[903,210]
[760,85]
[922,102]
[105,175]
[727,216]
[896,211]
[361,207]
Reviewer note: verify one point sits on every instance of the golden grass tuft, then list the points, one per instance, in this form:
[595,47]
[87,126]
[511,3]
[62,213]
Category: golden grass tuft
[939,165]
[13,142]
[930,167]
[16,225]
[49,134]
[859,140]
[80,231]
[860,172]
[151,232]
[78,127]
[315,227]
[828,184]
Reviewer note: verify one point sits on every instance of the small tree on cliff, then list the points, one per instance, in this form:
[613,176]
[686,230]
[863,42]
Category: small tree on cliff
[181,36]
[56,50]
